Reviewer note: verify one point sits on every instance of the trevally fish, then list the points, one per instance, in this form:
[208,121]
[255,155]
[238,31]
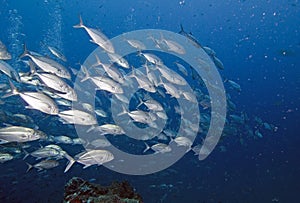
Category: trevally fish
[136,44]
[116,58]
[77,117]
[35,100]
[143,81]
[151,75]
[20,134]
[43,165]
[234,85]
[44,152]
[139,116]
[183,141]
[4,157]
[172,45]
[50,80]
[92,157]
[111,71]
[9,71]
[170,75]
[62,139]
[57,53]
[171,89]
[181,68]
[152,104]
[70,95]
[103,83]
[47,64]
[158,148]
[100,143]
[108,129]
[97,37]
[4,54]
[151,58]
[190,37]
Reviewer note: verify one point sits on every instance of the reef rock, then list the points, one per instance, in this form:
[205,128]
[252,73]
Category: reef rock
[78,190]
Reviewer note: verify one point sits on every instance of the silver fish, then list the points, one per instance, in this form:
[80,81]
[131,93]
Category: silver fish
[4,54]
[57,53]
[108,129]
[9,71]
[4,157]
[62,139]
[43,165]
[47,64]
[50,80]
[111,71]
[115,58]
[143,81]
[193,40]
[44,152]
[35,100]
[77,117]
[170,75]
[100,143]
[136,44]
[183,141]
[152,105]
[97,37]
[104,83]
[158,148]
[92,157]
[19,134]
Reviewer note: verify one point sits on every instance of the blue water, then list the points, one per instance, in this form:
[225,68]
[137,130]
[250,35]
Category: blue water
[259,44]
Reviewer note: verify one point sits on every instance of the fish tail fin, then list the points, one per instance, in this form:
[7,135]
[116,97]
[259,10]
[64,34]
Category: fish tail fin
[14,90]
[70,164]
[25,52]
[160,82]
[29,167]
[32,67]
[98,61]
[147,147]
[86,72]
[132,74]
[141,102]
[80,25]
[124,111]
[26,154]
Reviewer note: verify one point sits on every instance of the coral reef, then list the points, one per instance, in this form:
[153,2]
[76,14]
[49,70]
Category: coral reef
[78,190]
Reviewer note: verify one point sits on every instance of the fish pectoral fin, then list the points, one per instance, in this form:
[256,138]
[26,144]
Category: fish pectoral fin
[86,166]
[29,107]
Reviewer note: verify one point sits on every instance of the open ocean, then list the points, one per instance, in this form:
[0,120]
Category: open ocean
[256,159]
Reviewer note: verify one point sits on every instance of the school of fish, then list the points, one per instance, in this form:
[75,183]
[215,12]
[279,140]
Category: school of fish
[43,92]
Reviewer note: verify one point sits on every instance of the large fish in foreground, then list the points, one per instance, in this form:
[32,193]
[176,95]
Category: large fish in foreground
[92,157]
[4,54]
[35,100]
[47,64]
[19,134]
[97,37]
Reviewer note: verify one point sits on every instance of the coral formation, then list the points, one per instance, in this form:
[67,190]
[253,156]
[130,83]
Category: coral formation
[78,190]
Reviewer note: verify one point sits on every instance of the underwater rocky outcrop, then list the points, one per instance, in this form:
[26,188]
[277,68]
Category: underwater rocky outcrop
[78,190]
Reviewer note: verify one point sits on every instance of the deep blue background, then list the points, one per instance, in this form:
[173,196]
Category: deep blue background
[259,44]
